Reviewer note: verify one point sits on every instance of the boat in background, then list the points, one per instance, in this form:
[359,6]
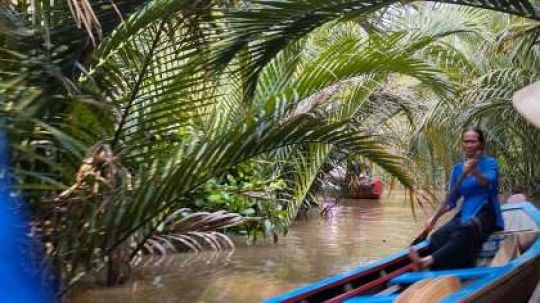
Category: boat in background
[370,190]
[385,280]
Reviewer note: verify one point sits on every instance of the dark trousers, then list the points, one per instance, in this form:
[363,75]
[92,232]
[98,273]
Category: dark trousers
[455,245]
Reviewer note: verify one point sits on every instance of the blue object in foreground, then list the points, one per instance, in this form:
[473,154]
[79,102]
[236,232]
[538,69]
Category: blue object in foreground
[21,279]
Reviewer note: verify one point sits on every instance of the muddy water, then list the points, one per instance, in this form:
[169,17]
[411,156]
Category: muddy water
[354,232]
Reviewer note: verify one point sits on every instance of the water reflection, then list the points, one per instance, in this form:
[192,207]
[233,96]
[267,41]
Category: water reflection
[357,231]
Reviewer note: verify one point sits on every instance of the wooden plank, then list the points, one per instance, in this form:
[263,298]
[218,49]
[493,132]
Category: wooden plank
[430,290]
[508,250]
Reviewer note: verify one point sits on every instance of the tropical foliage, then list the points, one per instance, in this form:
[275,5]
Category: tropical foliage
[495,58]
[160,122]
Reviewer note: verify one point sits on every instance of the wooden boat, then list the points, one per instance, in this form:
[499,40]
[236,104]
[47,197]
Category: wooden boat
[372,190]
[387,279]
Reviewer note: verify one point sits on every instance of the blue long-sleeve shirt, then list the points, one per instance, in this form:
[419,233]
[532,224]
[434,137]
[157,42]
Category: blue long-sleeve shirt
[475,196]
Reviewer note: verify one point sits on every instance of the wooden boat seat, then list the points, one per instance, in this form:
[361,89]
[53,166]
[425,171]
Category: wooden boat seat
[502,247]
[513,246]
[430,290]
[462,274]
[491,245]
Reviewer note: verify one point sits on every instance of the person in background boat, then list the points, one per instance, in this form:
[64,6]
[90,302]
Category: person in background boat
[476,180]
[356,168]
[516,196]
[362,174]
[367,177]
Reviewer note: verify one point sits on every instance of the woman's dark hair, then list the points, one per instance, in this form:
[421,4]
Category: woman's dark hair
[476,130]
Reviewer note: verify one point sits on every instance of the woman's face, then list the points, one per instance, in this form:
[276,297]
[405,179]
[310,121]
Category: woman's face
[471,143]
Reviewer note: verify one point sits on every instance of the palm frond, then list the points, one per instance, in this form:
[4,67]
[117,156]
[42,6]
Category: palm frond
[194,231]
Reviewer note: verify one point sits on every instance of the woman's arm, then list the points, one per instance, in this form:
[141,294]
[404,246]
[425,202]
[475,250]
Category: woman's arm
[482,180]
[441,210]
[451,198]
[487,175]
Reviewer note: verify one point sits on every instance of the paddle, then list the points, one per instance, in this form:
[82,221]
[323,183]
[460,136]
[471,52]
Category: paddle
[423,235]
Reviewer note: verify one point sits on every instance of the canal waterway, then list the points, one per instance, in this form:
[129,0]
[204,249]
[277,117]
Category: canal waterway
[354,232]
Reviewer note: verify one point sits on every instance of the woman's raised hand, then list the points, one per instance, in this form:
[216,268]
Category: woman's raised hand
[470,166]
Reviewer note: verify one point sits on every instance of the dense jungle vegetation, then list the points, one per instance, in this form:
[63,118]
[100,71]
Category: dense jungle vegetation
[149,126]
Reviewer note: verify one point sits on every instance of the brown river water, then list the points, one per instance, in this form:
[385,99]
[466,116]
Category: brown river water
[353,233]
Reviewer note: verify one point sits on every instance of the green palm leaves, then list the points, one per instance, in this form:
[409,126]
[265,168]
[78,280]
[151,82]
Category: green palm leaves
[486,75]
[180,92]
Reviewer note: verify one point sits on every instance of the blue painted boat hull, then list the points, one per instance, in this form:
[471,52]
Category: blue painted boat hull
[513,282]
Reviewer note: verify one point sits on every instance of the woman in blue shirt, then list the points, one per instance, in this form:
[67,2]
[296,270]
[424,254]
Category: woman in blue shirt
[476,180]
